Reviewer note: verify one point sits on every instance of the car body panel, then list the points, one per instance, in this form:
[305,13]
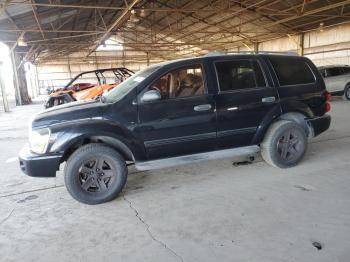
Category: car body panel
[336,77]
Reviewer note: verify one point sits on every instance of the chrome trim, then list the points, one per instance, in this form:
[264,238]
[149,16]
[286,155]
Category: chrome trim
[174,140]
[233,132]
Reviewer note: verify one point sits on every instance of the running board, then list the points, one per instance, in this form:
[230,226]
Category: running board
[188,159]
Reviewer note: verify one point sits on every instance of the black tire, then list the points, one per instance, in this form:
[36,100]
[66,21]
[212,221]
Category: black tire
[95,174]
[347,92]
[284,144]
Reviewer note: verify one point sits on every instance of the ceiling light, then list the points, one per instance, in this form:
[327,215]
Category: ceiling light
[21,41]
[321,27]
[133,17]
[143,12]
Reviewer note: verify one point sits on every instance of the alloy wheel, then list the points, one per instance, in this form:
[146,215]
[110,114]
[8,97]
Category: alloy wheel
[96,175]
[289,145]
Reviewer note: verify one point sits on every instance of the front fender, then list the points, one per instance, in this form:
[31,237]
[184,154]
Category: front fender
[67,135]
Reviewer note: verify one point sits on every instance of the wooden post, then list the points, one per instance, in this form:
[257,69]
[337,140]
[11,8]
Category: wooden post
[22,82]
[37,80]
[3,91]
[15,78]
[256,47]
[301,44]
[69,69]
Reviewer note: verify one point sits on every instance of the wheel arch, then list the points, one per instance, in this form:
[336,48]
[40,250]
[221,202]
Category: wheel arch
[300,119]
[69,138]
[298,116]
[112,142]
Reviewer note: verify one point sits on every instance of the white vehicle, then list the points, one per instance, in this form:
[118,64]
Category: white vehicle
[337,79]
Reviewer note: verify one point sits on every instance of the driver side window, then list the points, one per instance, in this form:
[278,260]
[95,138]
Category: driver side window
[183,82]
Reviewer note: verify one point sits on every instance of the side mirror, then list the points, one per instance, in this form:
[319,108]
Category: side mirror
[151,95]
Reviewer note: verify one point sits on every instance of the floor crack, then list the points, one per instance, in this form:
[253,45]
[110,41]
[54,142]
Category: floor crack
[149,231]
[6,218]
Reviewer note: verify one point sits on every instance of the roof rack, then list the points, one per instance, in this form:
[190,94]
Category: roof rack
[218,53]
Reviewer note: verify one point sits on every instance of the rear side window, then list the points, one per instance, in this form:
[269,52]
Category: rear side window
[323,72]
[239,74]
[292,71]
[335,71]
[346,70]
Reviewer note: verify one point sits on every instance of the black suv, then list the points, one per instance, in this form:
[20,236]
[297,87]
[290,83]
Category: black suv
[178,112]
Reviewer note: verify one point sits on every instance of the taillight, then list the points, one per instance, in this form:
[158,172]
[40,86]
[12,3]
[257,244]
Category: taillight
[328,97]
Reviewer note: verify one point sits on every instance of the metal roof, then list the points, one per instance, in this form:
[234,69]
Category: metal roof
[160,28]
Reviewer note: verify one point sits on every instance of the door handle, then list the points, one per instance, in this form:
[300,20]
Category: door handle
[204,107]
[269,99]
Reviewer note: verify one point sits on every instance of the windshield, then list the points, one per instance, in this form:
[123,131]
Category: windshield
[129,84]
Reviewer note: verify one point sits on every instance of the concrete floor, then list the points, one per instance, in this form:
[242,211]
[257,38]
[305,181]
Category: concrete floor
[209,211]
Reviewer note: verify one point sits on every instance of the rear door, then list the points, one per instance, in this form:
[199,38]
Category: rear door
[183,121]
[245,96]
[335,79]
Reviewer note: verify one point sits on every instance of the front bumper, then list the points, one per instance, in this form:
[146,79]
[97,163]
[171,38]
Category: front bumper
[319,124]
[38,165]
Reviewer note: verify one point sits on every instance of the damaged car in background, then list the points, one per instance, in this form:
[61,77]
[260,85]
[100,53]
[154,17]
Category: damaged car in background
[88,85]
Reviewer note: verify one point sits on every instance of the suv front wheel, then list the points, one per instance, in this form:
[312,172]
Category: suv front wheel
[95,174]
[284,144]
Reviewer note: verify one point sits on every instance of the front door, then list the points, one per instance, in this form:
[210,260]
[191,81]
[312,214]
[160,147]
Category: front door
[244,98]
[183,120]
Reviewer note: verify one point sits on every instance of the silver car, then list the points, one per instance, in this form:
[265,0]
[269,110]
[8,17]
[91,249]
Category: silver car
[337,79]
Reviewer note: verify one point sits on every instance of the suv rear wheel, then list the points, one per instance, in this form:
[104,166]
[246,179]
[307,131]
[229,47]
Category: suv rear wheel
[95,174]
[284,144]
[347,92]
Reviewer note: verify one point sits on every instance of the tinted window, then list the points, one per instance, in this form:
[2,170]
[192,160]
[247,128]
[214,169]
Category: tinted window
[346,70]
[239,74]
[323,72]
[334,71]
[292,71]
[186,81]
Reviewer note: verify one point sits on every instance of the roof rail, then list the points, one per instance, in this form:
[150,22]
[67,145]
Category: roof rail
[218,53]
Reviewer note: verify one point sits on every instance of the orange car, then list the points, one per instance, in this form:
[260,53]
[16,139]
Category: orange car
[76,90]
[93,92]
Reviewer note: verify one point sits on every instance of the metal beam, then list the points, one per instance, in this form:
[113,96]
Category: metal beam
[118,22]
[37,19]
[153,9]
[311,12]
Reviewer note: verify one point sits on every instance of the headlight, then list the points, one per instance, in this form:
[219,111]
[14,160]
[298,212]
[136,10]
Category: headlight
[39,139]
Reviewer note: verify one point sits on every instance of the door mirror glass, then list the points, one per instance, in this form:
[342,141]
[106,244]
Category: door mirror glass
[151,95]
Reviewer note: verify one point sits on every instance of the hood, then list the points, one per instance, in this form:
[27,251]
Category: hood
[68,112]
